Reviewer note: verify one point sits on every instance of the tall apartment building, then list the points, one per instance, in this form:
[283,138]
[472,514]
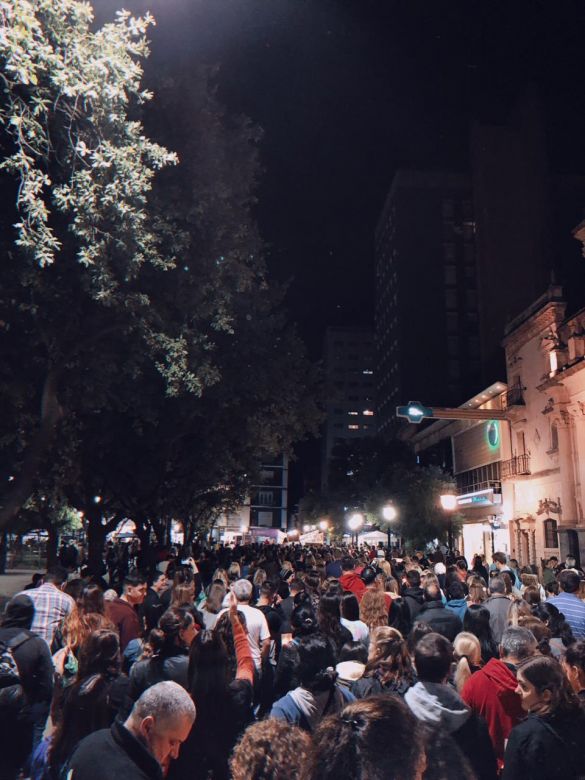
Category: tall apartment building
[427,322]
[350,405]
[458,256]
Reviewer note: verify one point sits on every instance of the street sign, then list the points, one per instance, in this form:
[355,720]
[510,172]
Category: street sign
[414,412]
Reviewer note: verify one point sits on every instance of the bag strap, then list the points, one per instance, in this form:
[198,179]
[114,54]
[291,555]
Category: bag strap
[18,640]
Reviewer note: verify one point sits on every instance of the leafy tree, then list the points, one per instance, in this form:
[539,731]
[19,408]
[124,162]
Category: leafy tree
[367,474]
[145,363]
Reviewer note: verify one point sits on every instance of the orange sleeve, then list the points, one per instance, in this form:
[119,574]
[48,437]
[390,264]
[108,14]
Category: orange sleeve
[245,669]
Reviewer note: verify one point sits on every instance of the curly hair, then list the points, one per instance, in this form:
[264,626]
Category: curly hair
[271,750]
[356,743]
[373,609]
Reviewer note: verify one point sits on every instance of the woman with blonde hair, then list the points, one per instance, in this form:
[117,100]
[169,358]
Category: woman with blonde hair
[467,652]
[233,572]
[518,608]
[373,609]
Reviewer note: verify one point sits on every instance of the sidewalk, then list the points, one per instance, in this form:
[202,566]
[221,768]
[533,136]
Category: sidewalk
[13,582]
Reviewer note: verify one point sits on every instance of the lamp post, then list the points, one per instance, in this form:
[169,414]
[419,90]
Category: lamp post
[389,513]
[355,522]
[449,504]
[324,526]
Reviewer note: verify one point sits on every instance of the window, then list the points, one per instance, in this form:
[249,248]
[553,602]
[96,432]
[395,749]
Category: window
[554,437]
[451,275]
[368,413]
[353,427]
[451,299]
[551,537]
[353,413]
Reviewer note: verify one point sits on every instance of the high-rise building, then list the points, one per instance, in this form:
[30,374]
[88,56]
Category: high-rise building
[350,403]
[427,323]
[458,256]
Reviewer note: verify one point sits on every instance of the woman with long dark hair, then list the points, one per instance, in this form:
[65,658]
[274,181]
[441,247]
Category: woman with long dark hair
[560,630]
[224,702]
[303,623]
[574,666]
[477,621]
[89,704]
[548,744]
[350,618]
[170,644]
[213,604]
[329,619]
[389,668]
[318,693]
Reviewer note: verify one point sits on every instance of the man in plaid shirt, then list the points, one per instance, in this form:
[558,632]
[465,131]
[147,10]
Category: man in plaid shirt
[51,604]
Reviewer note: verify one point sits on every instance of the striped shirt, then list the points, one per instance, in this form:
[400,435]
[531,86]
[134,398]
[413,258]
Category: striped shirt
[51,607]
[574,611]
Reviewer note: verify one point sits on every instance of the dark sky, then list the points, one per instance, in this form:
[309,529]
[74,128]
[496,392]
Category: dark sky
[347,91]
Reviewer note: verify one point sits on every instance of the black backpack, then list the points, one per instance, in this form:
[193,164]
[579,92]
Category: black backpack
[11,691]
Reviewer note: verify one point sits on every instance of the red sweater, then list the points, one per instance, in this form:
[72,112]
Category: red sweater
[126,620]
[490,692]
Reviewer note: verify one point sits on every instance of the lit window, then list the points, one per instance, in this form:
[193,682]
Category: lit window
[367,371]
[368,413]
[353,427]
[554,363]
[353,414]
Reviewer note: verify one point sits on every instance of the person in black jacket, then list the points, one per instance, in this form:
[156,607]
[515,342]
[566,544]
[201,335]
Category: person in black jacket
[143,747]
[441,620]
[389,668]
[548,745]
[24,706]
[170,644]
[413,594]
[435,702]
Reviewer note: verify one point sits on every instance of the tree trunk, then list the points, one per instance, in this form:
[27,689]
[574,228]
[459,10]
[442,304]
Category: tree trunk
[52,546]
[3,551]
[96,538]
[23,484]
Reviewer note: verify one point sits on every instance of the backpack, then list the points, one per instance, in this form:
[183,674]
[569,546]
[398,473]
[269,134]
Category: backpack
[11,691]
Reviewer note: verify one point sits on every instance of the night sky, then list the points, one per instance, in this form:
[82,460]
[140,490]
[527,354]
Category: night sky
[347,91]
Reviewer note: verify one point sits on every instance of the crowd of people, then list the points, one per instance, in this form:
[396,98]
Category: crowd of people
[271,662]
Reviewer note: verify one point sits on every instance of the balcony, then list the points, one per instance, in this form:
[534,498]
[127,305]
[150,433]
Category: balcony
[515,396]
[517,466]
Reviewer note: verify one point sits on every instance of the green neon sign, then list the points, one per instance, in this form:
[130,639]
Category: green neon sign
[493,434]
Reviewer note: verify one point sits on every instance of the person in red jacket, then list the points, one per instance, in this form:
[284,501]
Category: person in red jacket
[491,691]
[350,580]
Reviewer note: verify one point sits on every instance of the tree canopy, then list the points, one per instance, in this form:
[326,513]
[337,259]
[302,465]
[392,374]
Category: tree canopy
[145,356]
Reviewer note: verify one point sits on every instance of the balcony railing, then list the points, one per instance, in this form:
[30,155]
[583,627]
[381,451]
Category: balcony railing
[517,466]
[515,396]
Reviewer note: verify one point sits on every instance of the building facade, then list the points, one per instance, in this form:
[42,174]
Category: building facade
[350,401]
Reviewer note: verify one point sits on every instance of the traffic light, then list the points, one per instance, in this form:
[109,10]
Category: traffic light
[414,412]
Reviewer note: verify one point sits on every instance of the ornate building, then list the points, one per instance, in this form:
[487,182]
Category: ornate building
[543,480]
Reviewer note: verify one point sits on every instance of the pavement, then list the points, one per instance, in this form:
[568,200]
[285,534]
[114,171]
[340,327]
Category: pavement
[13,582]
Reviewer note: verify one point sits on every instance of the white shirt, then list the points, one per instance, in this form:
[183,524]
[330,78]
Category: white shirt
[257,630]
[359,630]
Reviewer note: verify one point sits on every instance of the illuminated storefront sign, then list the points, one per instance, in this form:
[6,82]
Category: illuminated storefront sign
[479,498]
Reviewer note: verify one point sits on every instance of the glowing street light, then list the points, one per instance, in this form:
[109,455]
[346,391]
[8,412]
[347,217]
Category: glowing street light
[306,529]
[324,525]
[449,504]
[356,521]
[389,513]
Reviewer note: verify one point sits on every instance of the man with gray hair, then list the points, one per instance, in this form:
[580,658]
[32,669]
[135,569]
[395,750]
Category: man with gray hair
[498,605]
[491,691]
[143,747]
[258,632]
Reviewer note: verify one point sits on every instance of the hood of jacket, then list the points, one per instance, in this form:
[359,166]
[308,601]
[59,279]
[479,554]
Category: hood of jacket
[438,704]
[456,604]
[500,675]
[19,612]
[350,579]
[313,705]
[417,594]
[350,670]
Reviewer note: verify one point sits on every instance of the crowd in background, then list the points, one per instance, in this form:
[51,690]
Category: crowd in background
[283,662]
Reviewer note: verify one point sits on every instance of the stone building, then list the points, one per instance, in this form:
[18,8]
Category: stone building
[543,480]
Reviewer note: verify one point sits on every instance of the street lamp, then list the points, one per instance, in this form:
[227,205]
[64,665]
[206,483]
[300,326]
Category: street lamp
[355,522]
[449,504]
[306,529]
[389,513]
